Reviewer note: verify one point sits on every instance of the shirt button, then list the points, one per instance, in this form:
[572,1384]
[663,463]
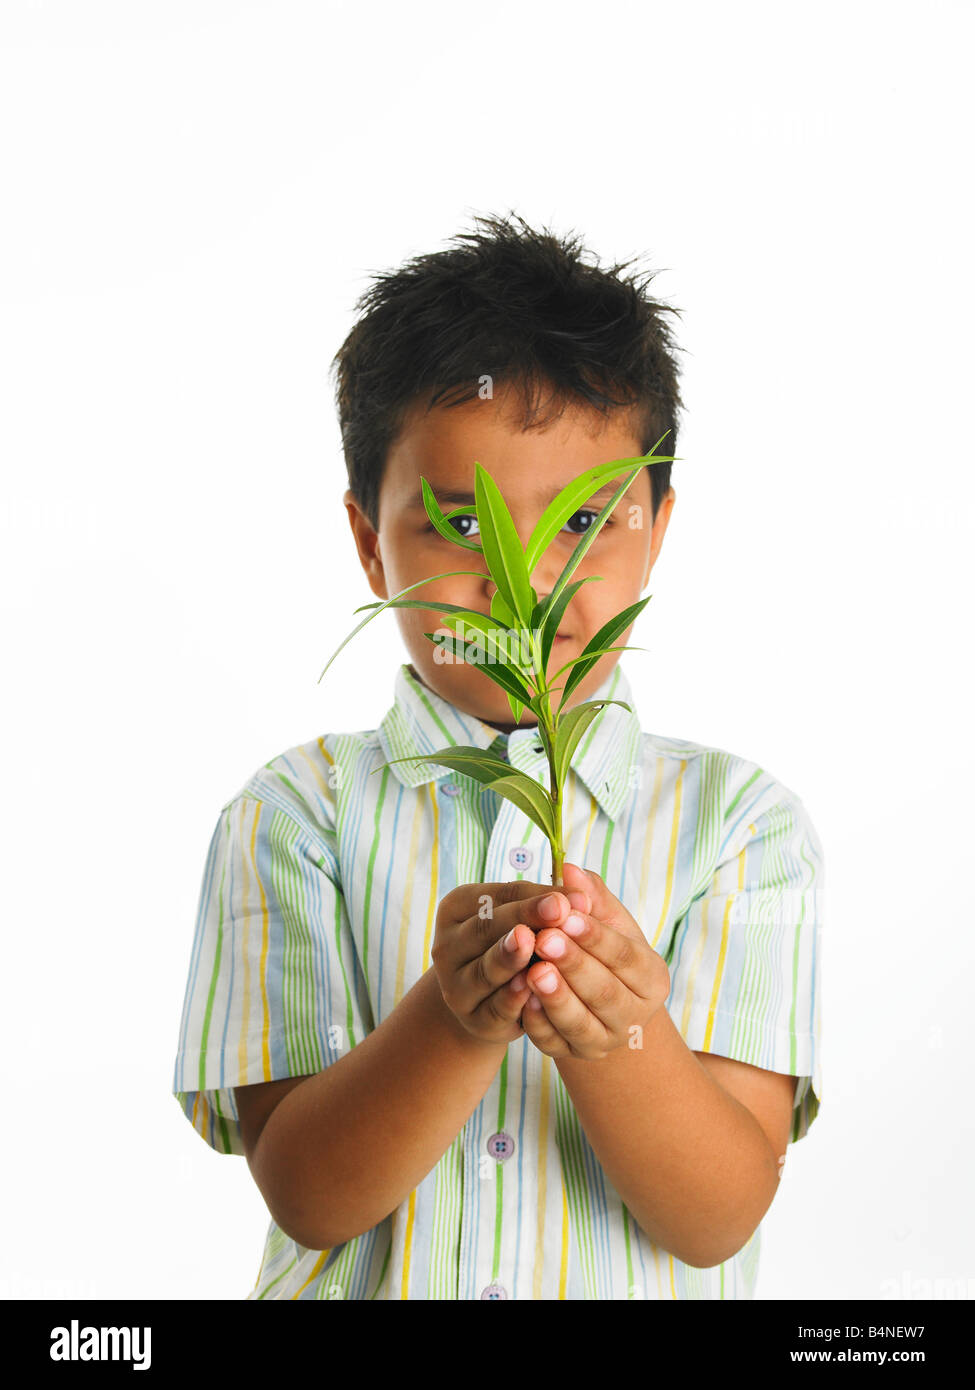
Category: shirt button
[494,1291]
[450,789]
[520,857]
[501,1145]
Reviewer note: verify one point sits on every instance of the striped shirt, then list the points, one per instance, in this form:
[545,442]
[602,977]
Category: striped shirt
[316,916]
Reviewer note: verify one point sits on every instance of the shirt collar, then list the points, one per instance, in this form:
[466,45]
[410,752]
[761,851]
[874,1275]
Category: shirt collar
[421,721]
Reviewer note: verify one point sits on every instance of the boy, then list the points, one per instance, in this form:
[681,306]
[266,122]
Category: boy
[428,1112]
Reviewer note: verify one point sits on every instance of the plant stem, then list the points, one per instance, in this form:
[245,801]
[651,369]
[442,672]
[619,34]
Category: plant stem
[557,846]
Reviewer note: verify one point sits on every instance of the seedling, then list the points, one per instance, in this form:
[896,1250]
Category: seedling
[512,644]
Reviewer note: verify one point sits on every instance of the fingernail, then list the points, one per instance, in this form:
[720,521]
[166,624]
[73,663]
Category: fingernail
[511,941]
[518,983]
[578,900]
[550,906]
[554,946]
[546,983]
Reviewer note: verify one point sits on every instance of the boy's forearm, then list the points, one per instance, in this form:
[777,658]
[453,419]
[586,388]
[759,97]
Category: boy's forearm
[692,1164]
[344,1148]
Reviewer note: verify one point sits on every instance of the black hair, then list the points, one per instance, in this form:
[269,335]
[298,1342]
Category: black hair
[522,307]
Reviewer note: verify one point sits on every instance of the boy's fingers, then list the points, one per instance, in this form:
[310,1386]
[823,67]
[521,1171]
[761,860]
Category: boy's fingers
[496,966]
[505,1004]
[516,903]
[490,909]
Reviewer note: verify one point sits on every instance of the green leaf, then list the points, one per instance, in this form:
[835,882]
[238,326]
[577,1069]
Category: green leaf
[554,616]
[501,546]
[505,676]
[416,603]
[571,498]
[473,762]
[494,640]
[501,611]
[441,522]
[393,602]
[584,544]
[529,796]
[571,729]
[517,708]
[536,705]
[606,635]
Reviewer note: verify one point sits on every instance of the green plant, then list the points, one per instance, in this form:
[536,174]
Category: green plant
[512,643]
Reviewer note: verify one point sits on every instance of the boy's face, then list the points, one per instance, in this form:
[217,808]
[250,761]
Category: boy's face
[530,468]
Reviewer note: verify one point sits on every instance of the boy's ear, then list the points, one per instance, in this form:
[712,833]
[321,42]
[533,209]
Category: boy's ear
[367,545]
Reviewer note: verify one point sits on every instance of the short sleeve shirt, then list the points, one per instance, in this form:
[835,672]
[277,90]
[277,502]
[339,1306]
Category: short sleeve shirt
[316,915]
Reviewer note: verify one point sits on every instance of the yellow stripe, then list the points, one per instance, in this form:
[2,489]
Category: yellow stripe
[262,969]
[405,912]
[245,1008]
[673,1286]
[672,853]
[721,954]
[695,964]
[317,1270]
[315,771]
[568,818]
[648,836]
[260,1272]
[434,878]
[593,813]
[563,1272]
[656,1267]
[543,1148]
[245,955]
[400,968]
[410,1214]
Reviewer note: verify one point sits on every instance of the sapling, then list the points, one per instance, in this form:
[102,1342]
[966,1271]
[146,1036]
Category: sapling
[513,642]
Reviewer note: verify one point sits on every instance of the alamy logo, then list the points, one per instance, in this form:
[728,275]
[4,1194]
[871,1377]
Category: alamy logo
[102,1344]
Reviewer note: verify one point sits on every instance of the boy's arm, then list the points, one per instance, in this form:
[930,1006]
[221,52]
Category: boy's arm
[343,1148]
[692,1149]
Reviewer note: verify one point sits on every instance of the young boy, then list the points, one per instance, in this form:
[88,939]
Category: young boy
[427,1112]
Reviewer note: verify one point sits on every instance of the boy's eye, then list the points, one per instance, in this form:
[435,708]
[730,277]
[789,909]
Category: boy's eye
[586,511]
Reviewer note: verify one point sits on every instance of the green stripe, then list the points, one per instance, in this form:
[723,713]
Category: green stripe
[382,1272]
[570,1140]
[629,1253]
[754,986]
[447,1203]
[214,976]
[741,792]
[373,850]
[795,987]
[297,991]
[349,1014]
[608,840]
[436,718]
[499,1204]
[277,1280]
[289,784]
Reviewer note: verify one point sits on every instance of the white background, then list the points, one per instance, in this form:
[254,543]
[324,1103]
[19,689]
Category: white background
[194,196]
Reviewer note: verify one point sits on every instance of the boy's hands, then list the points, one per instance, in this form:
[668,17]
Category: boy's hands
[608,979]
[482,979]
